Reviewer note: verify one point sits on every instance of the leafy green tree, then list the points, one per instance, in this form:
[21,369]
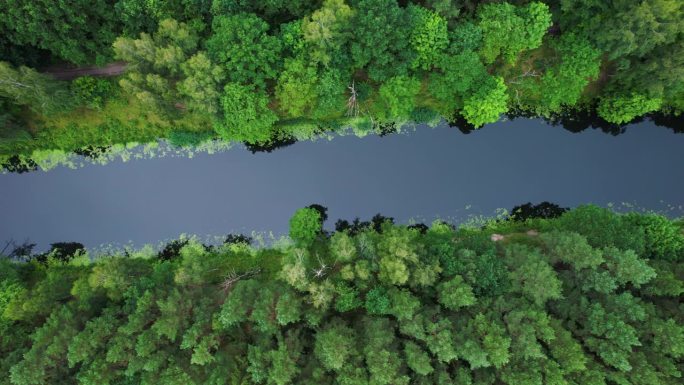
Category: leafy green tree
[296,88]
[91,92]
[465,36]
[397,97]
[532,276]
[246,116]
[487,103]
[154,63]
[76,31]
[563,307]
[417,359]
[327,29]
[381,39]
[305,225]
[602,228]
[331,94]
[428,36]
[242,45]
[562,85]
[573,249]
[334,344]
[377,301]
[458,76]
[663,238]
[508,30]
[455,293]
[621,109]
[623,28]
[200,85]
[26,87]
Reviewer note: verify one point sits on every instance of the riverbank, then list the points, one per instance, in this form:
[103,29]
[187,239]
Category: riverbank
[383,304]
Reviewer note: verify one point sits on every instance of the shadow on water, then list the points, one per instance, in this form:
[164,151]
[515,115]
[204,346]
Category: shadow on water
[578,121]
[572,121]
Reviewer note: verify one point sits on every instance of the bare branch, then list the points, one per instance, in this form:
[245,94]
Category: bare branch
[352,103]
[233,277]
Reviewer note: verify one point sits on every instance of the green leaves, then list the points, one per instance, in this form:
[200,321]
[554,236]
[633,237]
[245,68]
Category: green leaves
[397,97]
[508,30]
[487,104]
[305,225]
[334,344]
[549,308]
[428,37]
[621,109]
[455,293]
[241,44]
[246,116]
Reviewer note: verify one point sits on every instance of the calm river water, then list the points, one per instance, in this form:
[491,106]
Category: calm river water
[424,175]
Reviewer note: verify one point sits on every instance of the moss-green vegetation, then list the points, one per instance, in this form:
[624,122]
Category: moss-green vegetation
[267,71]
[589,297]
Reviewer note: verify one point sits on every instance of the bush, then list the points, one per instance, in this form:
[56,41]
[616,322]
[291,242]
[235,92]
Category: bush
[91,92]
[305,225]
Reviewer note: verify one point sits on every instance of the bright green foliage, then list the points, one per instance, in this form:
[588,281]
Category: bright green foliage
[417,359]
[154,62]
[532,276]
[296,88]
[571,248]
[397,97]
[377,301]
[465,37]
[320,65]
[455,293]
[200,85]
[624,108]
[626,267]
[508,30]
[246,116]
[26,87]
[624,28]
[342,247]
[305,225]
[238,304]
[242,45]
[564,84]
[381,39]
[487,103]
[428,37]
[459,75]
[330,90]
[663,238]
[91,91]
[78,31]
[326,30]
[557,308]
[602,228]
[334,344]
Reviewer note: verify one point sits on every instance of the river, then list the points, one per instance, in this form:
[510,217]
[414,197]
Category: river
[422,175]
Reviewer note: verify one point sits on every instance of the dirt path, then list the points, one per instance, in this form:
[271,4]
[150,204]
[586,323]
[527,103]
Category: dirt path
[65,73]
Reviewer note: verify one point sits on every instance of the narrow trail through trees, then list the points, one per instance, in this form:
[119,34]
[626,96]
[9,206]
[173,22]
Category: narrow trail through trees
[66,73]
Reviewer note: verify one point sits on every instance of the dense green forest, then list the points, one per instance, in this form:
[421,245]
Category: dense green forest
[263,72]
[585,297]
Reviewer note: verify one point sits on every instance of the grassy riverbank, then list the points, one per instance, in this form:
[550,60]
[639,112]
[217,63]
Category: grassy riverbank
[263,74]
[511,302]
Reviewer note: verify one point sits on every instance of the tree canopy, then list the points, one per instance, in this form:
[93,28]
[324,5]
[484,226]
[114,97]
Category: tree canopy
[588,297]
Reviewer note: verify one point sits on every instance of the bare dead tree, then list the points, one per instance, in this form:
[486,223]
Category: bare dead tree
[352,102]
[322,267]
[529,73]
[232,277]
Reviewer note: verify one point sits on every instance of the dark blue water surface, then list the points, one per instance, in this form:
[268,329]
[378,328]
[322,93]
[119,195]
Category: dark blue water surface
[427,174]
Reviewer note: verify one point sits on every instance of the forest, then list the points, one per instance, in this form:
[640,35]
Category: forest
[274,71]
[545,296]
